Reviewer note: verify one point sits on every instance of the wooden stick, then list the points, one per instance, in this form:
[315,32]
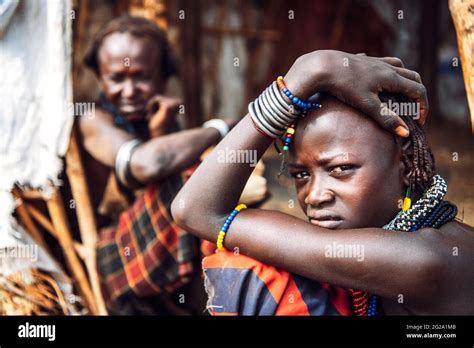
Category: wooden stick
[31,194]
[26,220]
[463,18]
[190,35]
[61,225]
[85,216]
[42,220]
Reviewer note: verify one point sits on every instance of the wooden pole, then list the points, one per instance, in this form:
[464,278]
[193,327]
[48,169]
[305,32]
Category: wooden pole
[429,38]
[190,32]
[85,216]
[42,220]
[463,18]
[58,216]
[26,219]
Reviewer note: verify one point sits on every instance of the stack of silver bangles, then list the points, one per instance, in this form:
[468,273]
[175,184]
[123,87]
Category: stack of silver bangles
[271,113]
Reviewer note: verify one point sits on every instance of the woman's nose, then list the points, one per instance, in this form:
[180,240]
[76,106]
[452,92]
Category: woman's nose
[318,194]
[128,90]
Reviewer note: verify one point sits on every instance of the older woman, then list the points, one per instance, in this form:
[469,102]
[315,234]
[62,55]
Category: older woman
[137,161]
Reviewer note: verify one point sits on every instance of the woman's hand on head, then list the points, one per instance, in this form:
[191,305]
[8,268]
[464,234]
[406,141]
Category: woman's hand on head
[357,80]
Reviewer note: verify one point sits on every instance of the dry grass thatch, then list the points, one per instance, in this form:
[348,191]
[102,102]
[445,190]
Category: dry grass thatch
[32,293]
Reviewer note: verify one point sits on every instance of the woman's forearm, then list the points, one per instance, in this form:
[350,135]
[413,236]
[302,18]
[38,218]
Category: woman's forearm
[377,257]
[163,156]
[215,187]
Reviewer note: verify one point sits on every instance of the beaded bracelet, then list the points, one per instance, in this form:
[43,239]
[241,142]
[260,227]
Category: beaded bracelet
[295,100]
[225,226]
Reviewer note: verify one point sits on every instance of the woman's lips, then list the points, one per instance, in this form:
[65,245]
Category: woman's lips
[331,224]
[131,107]
[325,219]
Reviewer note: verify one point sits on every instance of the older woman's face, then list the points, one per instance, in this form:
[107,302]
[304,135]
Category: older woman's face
[129,73]
[348,171]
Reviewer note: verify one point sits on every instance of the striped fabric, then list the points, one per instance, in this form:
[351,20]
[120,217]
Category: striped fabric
[240,285]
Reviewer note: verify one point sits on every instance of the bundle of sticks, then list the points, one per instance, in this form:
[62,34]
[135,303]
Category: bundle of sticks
[34,293]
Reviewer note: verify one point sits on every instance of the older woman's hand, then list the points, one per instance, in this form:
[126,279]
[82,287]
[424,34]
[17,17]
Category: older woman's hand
[162,112]
[357,80]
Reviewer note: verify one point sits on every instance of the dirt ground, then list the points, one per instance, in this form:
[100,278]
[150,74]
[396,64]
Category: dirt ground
[453,148]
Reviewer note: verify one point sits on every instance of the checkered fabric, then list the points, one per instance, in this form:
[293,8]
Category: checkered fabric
[146,253]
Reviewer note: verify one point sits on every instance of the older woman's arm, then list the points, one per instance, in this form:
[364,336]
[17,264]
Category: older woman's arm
[156,158]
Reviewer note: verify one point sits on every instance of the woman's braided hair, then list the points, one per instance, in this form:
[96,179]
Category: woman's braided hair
[417,156]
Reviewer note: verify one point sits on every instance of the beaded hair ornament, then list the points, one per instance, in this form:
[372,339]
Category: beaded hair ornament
[304,106]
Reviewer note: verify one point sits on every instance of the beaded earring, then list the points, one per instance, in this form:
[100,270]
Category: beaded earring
[407,200]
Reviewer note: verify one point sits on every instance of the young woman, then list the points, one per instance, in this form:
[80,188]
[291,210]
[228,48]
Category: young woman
[350,178]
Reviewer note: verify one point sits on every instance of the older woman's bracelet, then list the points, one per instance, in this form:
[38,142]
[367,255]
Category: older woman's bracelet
[225,226]
[122,163]
[221,126]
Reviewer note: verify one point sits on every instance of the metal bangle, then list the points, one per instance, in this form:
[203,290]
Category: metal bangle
[122,162]
[257,121]
[282,120]
[269,116]
[291,108]
[263,118]
[218,124]
[276,103]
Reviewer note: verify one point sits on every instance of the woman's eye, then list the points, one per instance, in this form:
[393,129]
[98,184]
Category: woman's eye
[116,78]
[300,175]
[341,168]
[143,77]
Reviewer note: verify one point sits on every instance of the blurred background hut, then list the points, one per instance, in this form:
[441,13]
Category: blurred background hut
[229,50]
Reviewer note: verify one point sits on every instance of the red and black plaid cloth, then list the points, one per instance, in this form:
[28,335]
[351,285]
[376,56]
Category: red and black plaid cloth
[145,253]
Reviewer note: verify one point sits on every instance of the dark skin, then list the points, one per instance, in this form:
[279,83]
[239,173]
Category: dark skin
[132,83]
[338,160]
[130,80]
[357,192]
[127,72]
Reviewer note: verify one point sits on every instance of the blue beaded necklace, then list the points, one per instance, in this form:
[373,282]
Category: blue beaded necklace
[429,211]
[119,120]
